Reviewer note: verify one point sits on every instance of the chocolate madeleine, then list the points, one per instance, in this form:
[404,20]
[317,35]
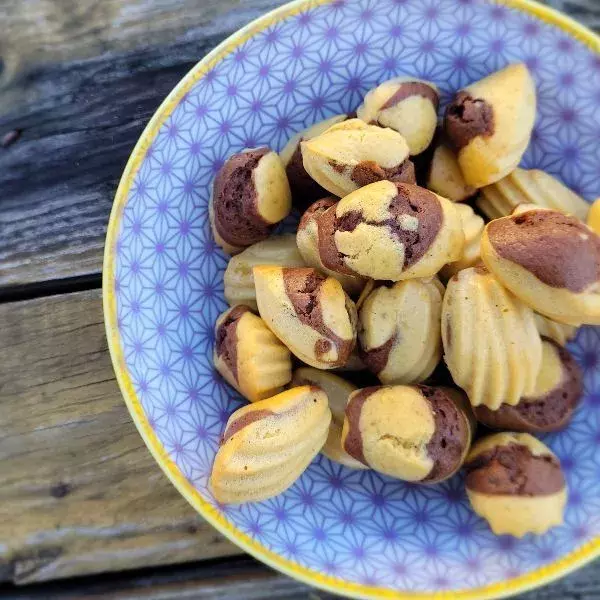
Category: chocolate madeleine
[412,433]
[407,105]
[250,196]
[353,154]
[390,231]
[550,260]
[516,484]
[310,313]
[558,389]
[307,239]
[399,330]
[489,123]
[305,190]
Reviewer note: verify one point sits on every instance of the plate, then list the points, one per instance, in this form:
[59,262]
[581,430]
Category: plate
[358,534]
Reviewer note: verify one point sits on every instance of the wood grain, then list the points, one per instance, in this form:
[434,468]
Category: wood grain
[242,578]
[81,79]
[80,492]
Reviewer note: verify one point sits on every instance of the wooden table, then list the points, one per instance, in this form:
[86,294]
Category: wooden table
[80,495]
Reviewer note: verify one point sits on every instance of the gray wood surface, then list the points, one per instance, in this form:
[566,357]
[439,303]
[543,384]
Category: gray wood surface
[79,491]
[242,578]
[81,78]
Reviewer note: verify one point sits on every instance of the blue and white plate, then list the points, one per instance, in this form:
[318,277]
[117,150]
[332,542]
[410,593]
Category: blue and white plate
[354,533]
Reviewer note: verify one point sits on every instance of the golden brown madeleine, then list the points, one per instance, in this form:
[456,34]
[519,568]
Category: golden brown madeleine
[413,433]
[268,445]
[491,344]
[473,226]
[390,231]
[523,186]
[558,389]
[550,260]
[399,330]
[249,356]
[561,333]
[250,195]
[489,123]
[238,281]
[593,216]
[305,190]
[445,177]
[352,154]
[311,314]
[307,239]
[338,391]
[407,105]
[516,484]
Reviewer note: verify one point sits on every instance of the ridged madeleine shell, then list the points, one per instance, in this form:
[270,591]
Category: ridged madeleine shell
[491,344]
[533,186]
[268,445]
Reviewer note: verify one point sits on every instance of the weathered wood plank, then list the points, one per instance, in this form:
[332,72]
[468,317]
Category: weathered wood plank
[80,492]
[242,578]
[79,118]
[81,79]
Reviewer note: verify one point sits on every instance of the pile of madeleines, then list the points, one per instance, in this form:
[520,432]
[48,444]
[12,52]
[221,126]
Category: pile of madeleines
[386,277]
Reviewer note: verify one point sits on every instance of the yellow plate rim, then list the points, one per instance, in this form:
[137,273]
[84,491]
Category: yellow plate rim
[522,583]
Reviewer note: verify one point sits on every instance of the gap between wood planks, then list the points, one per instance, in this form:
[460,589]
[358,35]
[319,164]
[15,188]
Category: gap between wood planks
[41,289]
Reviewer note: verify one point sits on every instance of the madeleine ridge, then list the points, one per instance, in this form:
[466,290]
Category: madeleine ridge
[249,356]
[491,344]
[238,280]
[268,445]
[523,186]
[310,313]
